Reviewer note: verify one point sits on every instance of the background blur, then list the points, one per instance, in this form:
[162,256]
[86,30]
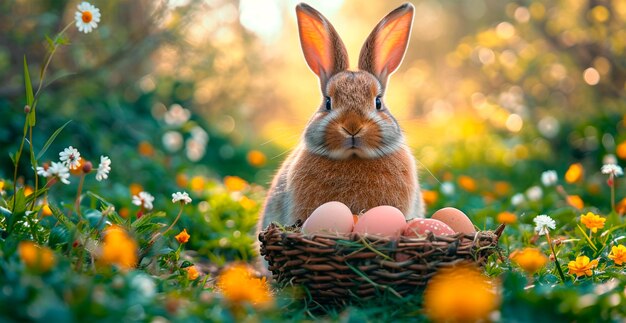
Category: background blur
[497,90]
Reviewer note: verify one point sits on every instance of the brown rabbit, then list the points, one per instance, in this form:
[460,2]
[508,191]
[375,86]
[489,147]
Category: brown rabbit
[353,150]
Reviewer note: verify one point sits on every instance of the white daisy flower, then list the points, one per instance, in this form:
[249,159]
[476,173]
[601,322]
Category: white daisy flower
[43,170]
[612,169]
[517,199]
[549,178]
[70,157]
[543,223]
[447,188]
[534,193]
[143,199]
[87,17]
[104,168]
[181,197]
[60,171]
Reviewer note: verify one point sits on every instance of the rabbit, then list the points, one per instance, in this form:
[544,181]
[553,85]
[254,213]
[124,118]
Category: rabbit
[352,150]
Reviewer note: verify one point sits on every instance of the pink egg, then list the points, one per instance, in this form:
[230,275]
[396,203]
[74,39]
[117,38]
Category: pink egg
[330,218]
[384,220]
[418,227]
[455,219]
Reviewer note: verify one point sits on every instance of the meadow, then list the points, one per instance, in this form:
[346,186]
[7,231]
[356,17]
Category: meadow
[139,137]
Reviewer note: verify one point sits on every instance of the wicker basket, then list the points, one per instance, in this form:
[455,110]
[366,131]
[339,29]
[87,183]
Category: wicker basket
[339,269]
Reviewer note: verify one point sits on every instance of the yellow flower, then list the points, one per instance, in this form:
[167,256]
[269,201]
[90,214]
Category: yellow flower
[574,173]
[618,254]
[197,183]
[118,248]
[35,257]
[247,203]
[459,294]
[529,259]
[582,266]
[430,197]
[28,191]
[256,158]
[467,183]
[506,218]
[235,183]
[192,272]
[575,201]
[238,285]
[183,236]
[592,221]
[45,210]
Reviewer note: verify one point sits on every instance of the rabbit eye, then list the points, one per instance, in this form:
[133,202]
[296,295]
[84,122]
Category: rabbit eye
[379,104]
[327,102]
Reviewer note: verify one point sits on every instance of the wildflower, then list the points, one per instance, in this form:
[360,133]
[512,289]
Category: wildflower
[70,157]
[176,115]
[517,199]
[145,149]
[459,294]
[143,199]
[620,150]
[183,236]
[592,221]
[172,141]
[612,170]
[549,178]
[618,254]
[43,170]
[235,183]
[430,197]
[621,206]
[502,188]
[135,188]
[575,201]
[256,158]
[35,257]
[582,266]
[247,203]
[183,198]
[192,272]
[104,168]
[87,17]
[60,171]
[574,173]
[28,191]
[197,183]
[543,223]
[467,183]
[529,259]
[238,285]
[534,193]
[447,188]
[45,210]
[506,218]
[118,248]
[87,167]
[181,180]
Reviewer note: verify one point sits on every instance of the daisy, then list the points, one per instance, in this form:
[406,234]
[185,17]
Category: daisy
[549,178]
[70,157]
[612,169]
[143,199]
[181,197]
[543,223]
[104,168]
[43,170]
[534,193]
[61,171]
[517,199]
[87,17]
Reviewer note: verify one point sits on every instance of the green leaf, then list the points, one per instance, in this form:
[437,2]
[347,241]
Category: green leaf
[51,140]
[28,86]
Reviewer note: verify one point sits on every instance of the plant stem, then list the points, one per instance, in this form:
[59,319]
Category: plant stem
[612,192]
[175,220]
[556,259]
[78,194]
[30,139]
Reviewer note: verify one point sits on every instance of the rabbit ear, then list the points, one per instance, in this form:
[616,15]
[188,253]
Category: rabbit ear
[384,49]
[323,49]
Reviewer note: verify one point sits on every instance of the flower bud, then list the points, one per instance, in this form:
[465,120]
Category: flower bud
[552,257]
[87,167]
[27,109]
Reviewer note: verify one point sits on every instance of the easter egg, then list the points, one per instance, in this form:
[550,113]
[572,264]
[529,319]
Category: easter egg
[418,227]
[383,220]
[455,219]
[332,217]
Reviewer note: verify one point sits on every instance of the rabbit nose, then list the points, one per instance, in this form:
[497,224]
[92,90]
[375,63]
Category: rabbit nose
[352,131]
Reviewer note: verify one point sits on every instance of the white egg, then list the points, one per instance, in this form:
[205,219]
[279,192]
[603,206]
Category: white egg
[330,218]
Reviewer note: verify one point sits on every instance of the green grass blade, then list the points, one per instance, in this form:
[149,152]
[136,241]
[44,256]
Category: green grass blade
[51,140]
[30,97]
[591,244]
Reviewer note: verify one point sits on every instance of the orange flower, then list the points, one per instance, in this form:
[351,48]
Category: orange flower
[506,218]
[502,188]
[620,150]
[621,206]
[35,257]
[192,272]
[256,158]
[467,183]
[459,294]
[582,266]
[430,197]
[592,221]
[529,259]
[238,285]
[197,183]
[618,254]
[235,183]
[28,191]
[145,149]
[574,173]
[575,201]
[181,180]
[183,236]
[118,248]
[45,210]
[135,189]
[247,203]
